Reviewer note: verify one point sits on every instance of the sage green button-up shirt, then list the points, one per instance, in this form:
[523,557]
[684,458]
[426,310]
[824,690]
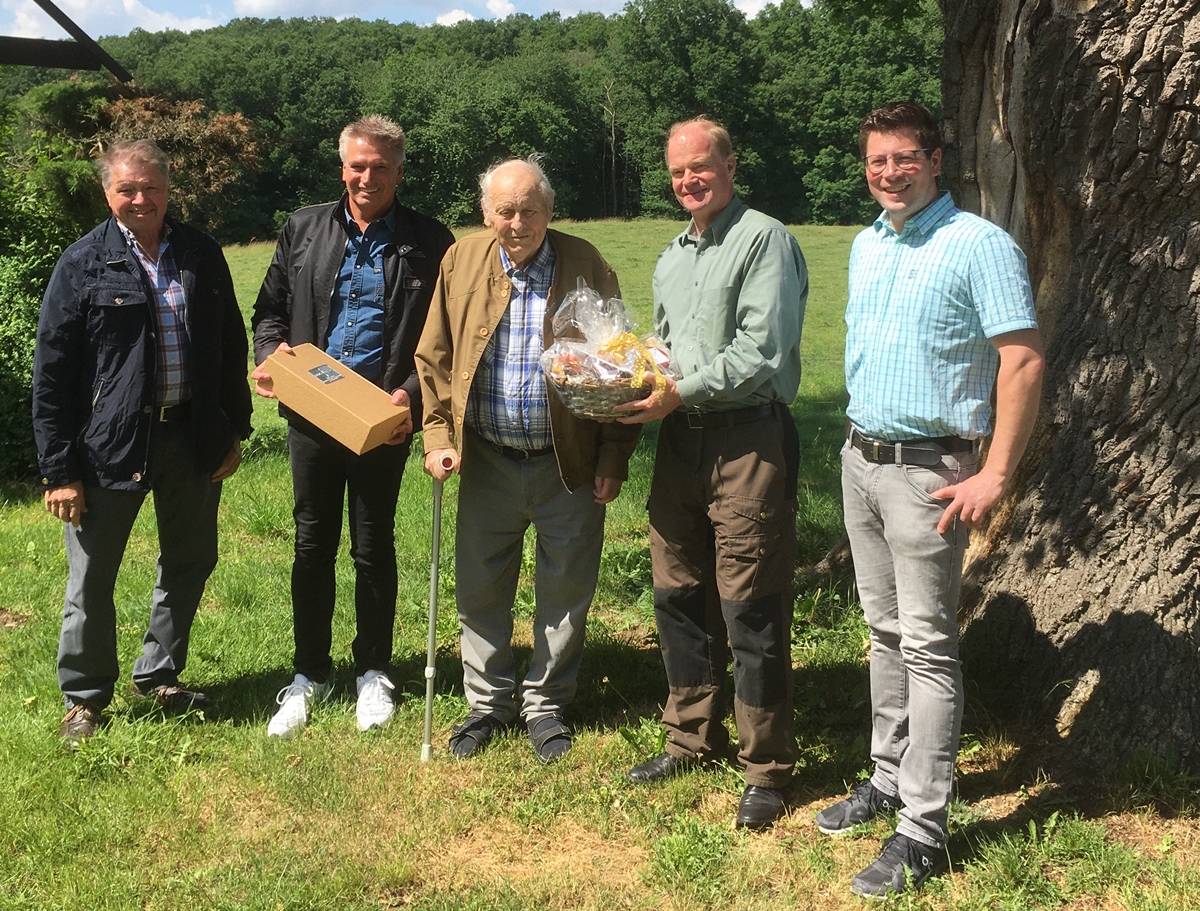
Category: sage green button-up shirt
[730,304]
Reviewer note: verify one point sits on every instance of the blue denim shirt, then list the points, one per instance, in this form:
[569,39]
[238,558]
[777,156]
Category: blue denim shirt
[356,310]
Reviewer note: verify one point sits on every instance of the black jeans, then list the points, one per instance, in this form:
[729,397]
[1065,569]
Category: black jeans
[323,471]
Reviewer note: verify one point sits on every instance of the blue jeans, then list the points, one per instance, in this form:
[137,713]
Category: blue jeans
[498,499]
[185,506]
[909,578]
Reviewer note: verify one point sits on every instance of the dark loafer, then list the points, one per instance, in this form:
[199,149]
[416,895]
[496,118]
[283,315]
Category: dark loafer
[80,723]
[474,734]
[176,697]
[760,807]
[551,738]
[662,766]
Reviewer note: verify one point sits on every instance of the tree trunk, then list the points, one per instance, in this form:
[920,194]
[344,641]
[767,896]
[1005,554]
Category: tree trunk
[1075,125]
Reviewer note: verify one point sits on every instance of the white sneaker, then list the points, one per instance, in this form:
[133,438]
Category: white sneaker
[375,703]
[294,701]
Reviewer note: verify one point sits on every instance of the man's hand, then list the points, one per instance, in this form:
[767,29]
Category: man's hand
[607,489]
[232,460]
[404,428]
[67,502]
[971,500]
[441,463]
[661,402]
[262,379]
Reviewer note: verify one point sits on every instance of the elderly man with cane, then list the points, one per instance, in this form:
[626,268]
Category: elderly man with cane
[522,457]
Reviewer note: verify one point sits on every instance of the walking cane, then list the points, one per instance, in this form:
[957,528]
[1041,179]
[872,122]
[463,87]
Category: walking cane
[431,650]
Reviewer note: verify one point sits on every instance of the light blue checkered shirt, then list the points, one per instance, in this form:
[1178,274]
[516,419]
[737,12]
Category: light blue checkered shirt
[508,403]
[922,307]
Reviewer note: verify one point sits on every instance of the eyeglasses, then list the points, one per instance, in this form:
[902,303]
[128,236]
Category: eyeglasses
[905,161]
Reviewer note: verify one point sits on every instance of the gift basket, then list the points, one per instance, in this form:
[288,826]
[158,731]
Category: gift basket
[596,362]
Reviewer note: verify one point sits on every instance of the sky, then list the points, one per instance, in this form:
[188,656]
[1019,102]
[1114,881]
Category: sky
[25,19]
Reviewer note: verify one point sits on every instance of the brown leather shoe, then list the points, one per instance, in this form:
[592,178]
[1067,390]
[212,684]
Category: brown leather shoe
[175,697]
[80,723]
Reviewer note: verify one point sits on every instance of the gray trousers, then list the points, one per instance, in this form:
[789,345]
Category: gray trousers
[909,578]
[498,499]
[185,505]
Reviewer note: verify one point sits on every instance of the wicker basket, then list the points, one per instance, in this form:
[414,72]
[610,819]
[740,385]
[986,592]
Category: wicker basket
[587,398]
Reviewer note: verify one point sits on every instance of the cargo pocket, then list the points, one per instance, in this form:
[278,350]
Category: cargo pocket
[749,535]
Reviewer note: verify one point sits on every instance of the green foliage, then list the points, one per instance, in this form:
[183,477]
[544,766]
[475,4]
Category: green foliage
[595,93]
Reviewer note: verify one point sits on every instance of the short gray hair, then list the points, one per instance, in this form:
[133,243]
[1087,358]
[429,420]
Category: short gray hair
[533,164]
[375,128]
[141,151]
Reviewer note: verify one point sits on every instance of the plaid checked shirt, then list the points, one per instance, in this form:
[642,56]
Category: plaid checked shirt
[172,378]
[923,304]
[508,397]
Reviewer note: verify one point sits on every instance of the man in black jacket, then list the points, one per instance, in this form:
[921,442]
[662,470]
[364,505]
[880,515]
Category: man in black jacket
[139,385]
[353,277]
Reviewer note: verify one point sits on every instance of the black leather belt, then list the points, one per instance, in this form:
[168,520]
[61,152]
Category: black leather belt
[518,455]
[167,413]
[921,451]
[706,420]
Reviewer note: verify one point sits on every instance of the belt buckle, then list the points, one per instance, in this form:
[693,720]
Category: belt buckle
[874,457]
[699,421]
[162,413]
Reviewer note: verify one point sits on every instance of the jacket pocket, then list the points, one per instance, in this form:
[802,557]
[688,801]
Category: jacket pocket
[117,317]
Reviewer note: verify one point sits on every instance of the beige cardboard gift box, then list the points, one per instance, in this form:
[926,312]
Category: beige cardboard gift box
[352,410]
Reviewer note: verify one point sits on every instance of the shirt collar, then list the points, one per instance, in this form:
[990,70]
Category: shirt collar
[133,242]
[389,219]
[924,221]
[537,269]
[719,228]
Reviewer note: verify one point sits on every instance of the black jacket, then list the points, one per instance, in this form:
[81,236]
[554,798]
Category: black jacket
[94,364]
[293,304]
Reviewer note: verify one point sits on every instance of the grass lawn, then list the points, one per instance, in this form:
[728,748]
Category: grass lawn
[173,812]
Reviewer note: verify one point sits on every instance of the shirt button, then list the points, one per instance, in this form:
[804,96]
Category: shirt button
[137,475]
[359,266]
[349,322]
[353,295]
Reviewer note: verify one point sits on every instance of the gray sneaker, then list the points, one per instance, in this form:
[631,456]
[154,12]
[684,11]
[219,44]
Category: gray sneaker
[903,863]
[864,804]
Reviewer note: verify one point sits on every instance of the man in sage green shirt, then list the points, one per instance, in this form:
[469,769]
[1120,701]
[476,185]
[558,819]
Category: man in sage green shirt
[729,298]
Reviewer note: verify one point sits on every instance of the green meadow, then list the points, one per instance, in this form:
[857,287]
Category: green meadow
[202,811]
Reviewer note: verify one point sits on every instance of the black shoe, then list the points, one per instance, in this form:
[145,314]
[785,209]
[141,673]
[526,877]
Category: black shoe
[175,697]
[551,738]
[864,804]
[474,734]
[80,723]
[760,807]
[902,863]
[661,766]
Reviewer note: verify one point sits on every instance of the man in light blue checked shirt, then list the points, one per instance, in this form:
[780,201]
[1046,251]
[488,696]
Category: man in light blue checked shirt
[940,315]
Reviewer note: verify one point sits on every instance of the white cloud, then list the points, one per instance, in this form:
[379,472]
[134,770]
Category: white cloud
[455,15]
[500,8]
[751,8]
[96,17]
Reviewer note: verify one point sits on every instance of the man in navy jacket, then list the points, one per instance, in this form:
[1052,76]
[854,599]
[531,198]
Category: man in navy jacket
[139,386]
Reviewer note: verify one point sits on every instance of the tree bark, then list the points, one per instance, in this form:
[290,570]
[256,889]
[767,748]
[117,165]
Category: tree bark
[1075,125]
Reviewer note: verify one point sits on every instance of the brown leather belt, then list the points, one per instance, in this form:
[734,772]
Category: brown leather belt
[921,451]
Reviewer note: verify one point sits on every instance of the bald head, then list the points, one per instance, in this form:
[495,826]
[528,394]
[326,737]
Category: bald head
[517,203]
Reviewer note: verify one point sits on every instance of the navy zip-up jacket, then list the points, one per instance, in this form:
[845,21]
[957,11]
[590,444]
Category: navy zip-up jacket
[94,363]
